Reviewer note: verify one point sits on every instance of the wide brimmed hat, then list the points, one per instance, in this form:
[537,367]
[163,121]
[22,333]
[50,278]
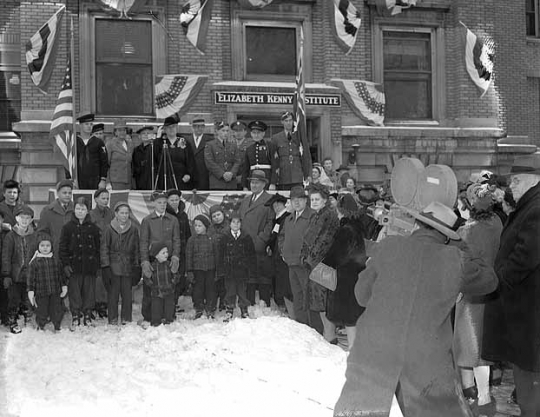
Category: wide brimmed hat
[276,198]
[526,164]
[170,121]
[258,174]
[298,192]
[438,216]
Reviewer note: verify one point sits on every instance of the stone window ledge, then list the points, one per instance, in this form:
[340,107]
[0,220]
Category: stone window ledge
[422,131]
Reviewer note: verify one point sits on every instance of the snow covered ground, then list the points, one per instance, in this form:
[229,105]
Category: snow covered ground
[267,365]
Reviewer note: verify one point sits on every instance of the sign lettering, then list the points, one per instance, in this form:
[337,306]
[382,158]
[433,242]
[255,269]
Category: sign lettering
[227,97]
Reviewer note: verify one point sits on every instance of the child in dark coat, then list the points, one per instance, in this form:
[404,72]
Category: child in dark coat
[218,228]
[201,261]
[46,284]
[79,253]
[238,264]
[162,284]
[4,319]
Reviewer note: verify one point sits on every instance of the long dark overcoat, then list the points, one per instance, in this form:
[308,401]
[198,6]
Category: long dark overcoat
[404,337]
[517,335]
[201,180]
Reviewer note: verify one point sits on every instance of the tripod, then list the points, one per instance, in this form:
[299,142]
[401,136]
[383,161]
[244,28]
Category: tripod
[165,162]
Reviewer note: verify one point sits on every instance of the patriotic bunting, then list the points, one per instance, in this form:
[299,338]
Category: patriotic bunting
[41,51]
[345,22]
[195,18]
[479,60]
[176,93]
[366,99]
[61,132]
[123,6]
[254,4]
[394,6]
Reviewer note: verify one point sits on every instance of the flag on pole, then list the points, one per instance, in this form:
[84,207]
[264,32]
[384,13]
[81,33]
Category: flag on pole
[366,99]
[479,60]
[254,4]
[41,51]
[61,132]
[299,111]
[394,6]
[345,22]
[123,6]
[195,18]
[176,93]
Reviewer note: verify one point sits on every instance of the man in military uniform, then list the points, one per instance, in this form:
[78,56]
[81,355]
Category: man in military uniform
[239,130]
[259,155]
[92,162]
[142,160]
[197,142]
[293,161]
[222,159]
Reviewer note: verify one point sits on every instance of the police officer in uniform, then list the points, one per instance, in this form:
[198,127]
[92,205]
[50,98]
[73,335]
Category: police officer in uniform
[259,155]
[293,161]
[92,162]
[239,130]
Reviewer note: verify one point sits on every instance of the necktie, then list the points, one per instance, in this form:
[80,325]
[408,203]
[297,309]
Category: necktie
[289,137]
[235,235]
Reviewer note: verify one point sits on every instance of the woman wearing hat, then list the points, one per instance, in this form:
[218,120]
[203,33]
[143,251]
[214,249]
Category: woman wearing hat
[142,159]
[403,343]
[119,152]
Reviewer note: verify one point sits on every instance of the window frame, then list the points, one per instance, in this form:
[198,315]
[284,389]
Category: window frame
[438,86]
[10,48]
[299,18]
[536,13]
[87,48]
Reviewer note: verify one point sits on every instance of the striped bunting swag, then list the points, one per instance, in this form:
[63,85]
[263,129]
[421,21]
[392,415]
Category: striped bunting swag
[345,22]
[61,131]
[41,51]
[176,93]
[254,4]
[366,99]
[195,18]
[479,60]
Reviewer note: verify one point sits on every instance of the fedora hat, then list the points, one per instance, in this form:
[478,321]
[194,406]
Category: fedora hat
[258,174]
[298,192]
[438,216]
[526,164]
[276,198]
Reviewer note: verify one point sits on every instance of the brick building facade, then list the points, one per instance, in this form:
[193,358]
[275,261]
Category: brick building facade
[443,119]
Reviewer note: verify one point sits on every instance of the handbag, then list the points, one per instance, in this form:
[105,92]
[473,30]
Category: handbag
[324,275]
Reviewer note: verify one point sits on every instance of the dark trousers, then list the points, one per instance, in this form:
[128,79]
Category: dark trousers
[49,306]
[298,278]
[221,293]
[282,285]
[162,309]
[120,287]
[204,291]
[17,299]
[3,304]
[265,291]
[528,391]
[236,286]
[146,304]
[82,294]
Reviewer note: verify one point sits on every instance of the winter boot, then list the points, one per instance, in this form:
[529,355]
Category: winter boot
[245,314]
[15,328]
[101,309]
[76,320]
[198,314]
[228,315]
[87,321]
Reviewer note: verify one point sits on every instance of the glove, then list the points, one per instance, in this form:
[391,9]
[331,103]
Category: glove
[7,282]
[175,264]
[68,270]
[64,291]
[106,277]
[147,269]
[32,298]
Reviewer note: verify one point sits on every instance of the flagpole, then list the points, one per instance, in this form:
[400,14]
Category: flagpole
[74,137]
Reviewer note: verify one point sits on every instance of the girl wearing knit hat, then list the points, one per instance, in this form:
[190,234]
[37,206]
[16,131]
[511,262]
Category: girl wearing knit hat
[201,262]
[220,226]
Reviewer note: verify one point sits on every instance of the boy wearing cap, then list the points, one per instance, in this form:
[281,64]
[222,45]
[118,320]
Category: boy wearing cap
[293,161]
[237,265]
[17,251]
[222,159]
[239,130]
[79,253]
[92,164]
[260,156]
[197,142]
[156,227]
[142,159]
[403,343]
[46,284]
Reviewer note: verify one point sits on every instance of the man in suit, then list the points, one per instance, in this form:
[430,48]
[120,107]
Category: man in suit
[257,220]
[239,130]
[198,142]
[222,159]
[92,163]
[293,161]
[260,155]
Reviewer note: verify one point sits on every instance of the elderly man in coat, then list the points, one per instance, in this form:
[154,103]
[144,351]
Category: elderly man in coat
[404,338]
[257,220]
[518,267]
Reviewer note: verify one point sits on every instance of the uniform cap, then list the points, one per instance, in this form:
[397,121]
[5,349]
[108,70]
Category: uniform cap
[257,125]
[142,129]
[98,127]
[286,114]
[86,117]
[238,125]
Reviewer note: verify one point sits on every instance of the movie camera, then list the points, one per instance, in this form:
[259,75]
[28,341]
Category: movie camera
[414,187]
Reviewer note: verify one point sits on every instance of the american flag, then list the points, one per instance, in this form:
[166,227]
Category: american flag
[61,132]
[479,54]
[299,110]
[195,19]
[345,22]
[176,93]
[366,99]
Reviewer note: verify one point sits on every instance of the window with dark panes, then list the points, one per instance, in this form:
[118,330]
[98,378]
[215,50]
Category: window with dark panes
[124,79]
[270,51]
[531,15]
[407,75]
[10,99]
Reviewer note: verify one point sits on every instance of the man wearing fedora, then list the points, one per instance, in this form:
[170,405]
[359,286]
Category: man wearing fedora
[197,142]
[92,162]
[257,221]
[403,344]
[518,267]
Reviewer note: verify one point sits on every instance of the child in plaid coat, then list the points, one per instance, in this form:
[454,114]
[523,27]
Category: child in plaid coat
[46,284]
